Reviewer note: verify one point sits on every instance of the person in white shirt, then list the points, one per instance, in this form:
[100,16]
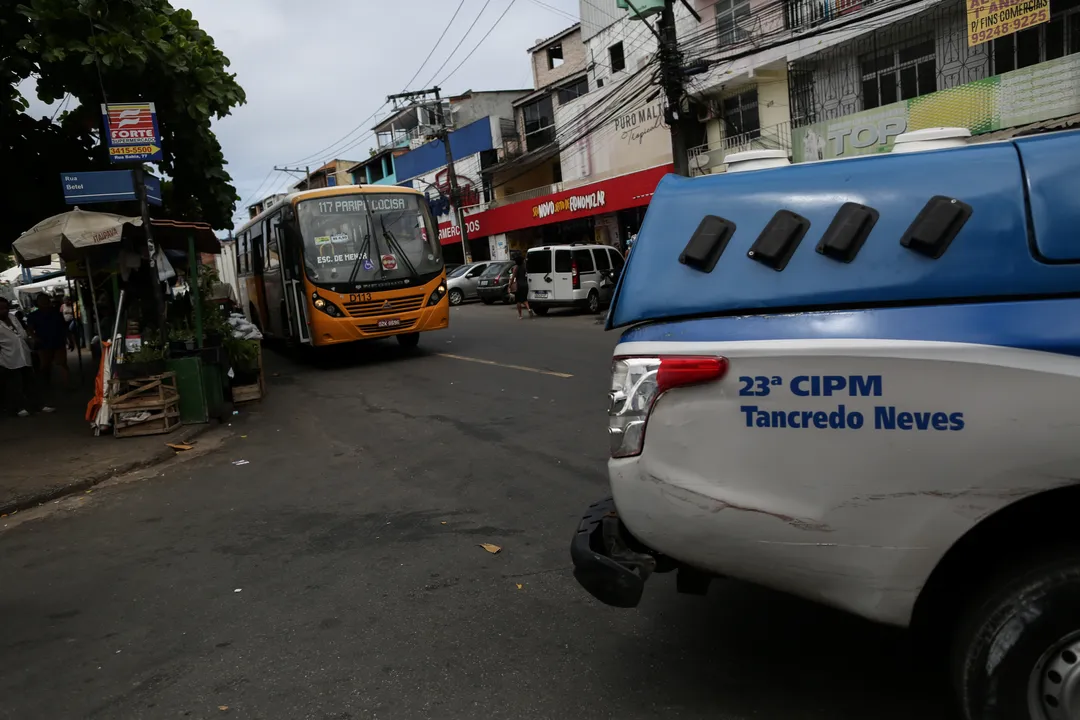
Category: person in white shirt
[16,365]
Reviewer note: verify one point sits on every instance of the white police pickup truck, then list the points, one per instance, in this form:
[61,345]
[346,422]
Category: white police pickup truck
[858,381]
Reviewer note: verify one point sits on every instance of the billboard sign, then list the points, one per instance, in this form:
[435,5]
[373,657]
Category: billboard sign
[131,132]
[1036,93]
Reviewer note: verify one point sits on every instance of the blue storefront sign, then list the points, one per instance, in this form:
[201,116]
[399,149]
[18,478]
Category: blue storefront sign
[83,188]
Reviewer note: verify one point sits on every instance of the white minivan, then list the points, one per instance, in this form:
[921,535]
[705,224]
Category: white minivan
[572,276]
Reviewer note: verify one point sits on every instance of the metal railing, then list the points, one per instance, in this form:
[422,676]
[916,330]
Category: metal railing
[804,14]
[704,157]
[527,195]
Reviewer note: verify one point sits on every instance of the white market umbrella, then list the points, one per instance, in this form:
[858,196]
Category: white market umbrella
[76,229]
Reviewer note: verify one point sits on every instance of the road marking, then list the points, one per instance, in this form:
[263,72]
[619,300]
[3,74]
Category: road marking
[499,364]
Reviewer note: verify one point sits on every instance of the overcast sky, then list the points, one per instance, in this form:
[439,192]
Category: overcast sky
[313,70]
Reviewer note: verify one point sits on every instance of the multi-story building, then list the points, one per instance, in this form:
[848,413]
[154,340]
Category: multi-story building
[594,142]
[265,203]
[844,77]
[335,172]
[481,125]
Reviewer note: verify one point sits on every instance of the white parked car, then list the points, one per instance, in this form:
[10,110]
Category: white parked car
[571,276]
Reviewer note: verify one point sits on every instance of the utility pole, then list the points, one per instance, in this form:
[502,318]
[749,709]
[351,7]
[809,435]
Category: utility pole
[306,171]
[671,70]
[671,77]
[443,133]
[144,207]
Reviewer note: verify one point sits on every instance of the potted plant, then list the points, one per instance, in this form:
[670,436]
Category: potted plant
[148,360]
[181,339]
[244,358]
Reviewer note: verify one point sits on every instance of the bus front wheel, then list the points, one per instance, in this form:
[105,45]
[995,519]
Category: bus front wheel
[409,340]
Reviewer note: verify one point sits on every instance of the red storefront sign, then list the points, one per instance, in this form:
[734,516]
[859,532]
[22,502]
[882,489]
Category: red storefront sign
[605,196]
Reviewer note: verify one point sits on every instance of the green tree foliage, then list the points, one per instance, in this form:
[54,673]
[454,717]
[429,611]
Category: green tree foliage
[131,50]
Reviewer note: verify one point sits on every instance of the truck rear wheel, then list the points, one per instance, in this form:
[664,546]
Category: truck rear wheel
[1016,655]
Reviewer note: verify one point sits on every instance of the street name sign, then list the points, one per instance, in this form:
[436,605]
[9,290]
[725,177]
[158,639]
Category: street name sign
[84,188]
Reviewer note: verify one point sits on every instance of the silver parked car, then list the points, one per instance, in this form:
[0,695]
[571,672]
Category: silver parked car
[461,283]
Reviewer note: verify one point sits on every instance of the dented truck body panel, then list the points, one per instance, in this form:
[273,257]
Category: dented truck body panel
[854,517]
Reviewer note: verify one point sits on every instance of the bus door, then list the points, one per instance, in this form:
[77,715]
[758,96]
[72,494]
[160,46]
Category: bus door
[258,266]
[277,320]
[292,277]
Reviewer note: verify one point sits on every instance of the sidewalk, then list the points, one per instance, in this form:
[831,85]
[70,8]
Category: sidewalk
[45,456]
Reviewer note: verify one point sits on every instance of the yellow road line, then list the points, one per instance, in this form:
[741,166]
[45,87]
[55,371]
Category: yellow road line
[499,364]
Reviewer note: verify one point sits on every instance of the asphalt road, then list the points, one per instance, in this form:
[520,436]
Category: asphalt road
[337,574]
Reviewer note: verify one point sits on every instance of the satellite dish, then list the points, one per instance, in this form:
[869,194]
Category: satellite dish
[700,161]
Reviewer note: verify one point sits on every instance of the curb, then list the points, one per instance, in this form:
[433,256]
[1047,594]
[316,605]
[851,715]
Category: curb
[30,501]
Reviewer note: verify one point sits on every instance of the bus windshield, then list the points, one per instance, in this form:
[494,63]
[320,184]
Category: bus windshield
[368,238]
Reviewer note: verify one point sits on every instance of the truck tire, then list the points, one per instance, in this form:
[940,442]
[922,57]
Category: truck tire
[1016,655]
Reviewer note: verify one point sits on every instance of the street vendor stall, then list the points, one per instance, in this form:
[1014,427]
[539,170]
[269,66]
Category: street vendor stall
[165,356]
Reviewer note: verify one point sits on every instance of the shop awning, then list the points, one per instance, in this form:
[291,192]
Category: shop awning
[596,198]
[174,234]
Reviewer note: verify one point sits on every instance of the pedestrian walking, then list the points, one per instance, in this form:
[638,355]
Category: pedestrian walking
[50,334]
[67,309]
[16,366]
[519,285]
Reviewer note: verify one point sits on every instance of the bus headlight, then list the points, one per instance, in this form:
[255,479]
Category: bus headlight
[437,294]
[327,307]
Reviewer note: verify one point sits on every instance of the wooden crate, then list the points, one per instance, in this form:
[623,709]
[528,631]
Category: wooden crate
[254,391]
[156,395]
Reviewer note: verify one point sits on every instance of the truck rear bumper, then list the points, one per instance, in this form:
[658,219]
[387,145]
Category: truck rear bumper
[604,562]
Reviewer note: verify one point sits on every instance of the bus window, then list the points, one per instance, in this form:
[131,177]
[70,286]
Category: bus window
[256,250]
[369,237]
[242,264]
[273,246]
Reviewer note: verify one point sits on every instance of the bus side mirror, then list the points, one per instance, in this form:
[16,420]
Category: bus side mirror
[288,214]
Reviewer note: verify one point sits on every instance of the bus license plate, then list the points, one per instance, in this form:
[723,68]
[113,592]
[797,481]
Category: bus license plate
[394,322]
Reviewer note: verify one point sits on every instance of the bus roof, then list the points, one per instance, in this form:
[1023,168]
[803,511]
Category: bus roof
[1017,238]
[295,197]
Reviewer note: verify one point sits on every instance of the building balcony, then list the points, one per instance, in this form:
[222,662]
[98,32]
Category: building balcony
[806,14]
[705,157]
[527,195]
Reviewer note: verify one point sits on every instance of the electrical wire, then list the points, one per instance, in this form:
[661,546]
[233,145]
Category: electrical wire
[321,153]
[252,196]
[477,46]
[342,150]
[67,97]
[588,122]
[436,45]
[554,9]
[462,40]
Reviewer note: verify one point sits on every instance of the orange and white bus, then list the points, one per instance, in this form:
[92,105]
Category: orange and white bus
[345,263]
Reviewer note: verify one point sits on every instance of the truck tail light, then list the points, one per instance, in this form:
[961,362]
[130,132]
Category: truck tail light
[574,277]
[638,382]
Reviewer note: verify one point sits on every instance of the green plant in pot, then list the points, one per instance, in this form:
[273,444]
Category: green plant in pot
[148,360]
[244,359]
[181,338]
